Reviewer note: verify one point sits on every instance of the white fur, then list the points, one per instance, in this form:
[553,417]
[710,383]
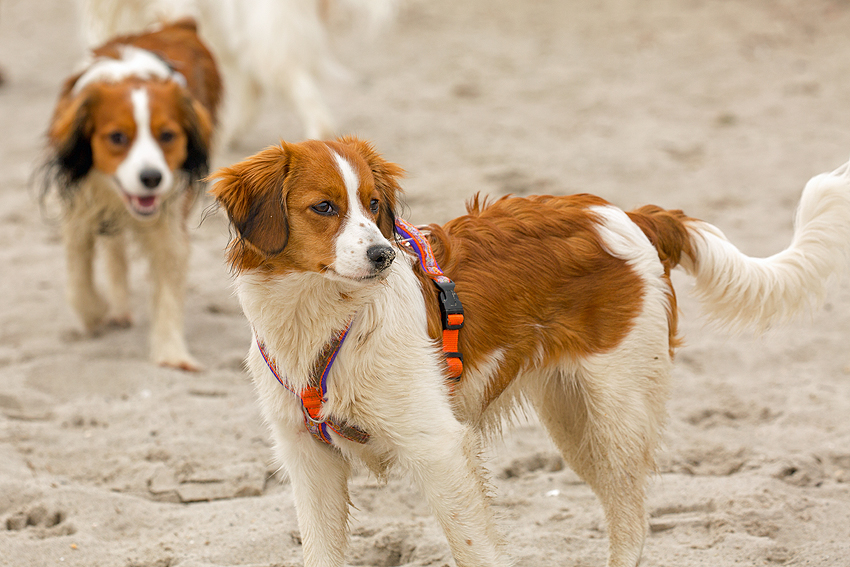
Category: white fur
[624,394]
[349,178]
[358,231]
[742,292]
[97,208]
[625,240]
[134,62]
[468,399]
[145,154]
[277,47]
[389,357]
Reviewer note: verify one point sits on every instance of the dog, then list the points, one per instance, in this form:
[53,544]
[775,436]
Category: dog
[277,47]
[127,147]
[567,307]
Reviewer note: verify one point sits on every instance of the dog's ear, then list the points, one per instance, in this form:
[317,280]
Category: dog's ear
[198,125]
[251,192]
[386,175]
[69,136]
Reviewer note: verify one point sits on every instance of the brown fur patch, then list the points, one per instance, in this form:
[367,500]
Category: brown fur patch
[532,273]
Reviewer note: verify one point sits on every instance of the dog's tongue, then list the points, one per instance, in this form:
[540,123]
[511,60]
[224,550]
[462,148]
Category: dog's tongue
[146,202]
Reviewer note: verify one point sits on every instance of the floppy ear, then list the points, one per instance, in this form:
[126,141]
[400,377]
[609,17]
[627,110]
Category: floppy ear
[199,129]
[386,175]
[69,137]
[251,192]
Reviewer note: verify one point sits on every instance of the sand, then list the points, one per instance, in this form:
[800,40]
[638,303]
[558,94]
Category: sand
[724,109]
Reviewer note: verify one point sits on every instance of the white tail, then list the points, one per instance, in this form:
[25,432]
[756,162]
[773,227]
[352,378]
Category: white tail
[744,292]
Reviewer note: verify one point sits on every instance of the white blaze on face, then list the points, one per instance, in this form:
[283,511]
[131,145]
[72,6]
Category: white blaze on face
[133,62]
[358,231]
[144,163]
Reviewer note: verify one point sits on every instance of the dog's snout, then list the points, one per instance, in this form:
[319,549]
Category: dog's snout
[150,178]
[381,256]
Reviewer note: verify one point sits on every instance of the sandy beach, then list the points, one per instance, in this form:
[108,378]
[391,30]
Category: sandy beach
[724,109]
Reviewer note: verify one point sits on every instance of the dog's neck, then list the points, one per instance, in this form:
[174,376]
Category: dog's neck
[297,313]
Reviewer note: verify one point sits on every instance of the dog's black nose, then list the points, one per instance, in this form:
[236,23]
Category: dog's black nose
[381,256]
[150,178]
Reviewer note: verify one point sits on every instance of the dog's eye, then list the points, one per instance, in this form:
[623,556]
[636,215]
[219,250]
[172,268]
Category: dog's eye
[118,138]
[167,136]
[374,206]
[324,208]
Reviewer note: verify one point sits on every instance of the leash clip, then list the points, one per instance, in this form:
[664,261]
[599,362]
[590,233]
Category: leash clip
[450,305]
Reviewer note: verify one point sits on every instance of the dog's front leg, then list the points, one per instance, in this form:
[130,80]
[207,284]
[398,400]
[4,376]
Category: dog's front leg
[445,462]
[167,245]
[79,253]
[119,288]
[319,476]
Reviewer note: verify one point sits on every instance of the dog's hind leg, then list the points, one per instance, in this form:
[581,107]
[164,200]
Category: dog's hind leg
[117,272]
[309,102]
[606,421]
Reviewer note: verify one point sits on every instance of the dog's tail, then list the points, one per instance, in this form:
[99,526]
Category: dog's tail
[756,293]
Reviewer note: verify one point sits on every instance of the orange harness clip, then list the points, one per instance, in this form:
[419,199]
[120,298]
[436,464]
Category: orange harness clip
[451,308]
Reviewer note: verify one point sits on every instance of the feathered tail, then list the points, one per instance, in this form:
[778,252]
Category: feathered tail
[757,293]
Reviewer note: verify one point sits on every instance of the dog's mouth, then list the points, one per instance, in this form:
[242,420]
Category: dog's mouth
[143,206]
[365,279]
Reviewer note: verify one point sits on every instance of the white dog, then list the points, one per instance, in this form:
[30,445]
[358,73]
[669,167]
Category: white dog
[263,47]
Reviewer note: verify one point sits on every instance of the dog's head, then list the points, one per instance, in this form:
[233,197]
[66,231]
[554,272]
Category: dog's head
[131,119]
[325,207]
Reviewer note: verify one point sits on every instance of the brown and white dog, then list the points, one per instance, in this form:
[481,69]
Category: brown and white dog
[268,48]
[569,308]
[128,146]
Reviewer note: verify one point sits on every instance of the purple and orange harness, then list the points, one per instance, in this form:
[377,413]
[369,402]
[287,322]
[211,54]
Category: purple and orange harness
[314,395]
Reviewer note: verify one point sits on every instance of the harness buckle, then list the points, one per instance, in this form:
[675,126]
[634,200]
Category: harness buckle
[449,305]
[310,419]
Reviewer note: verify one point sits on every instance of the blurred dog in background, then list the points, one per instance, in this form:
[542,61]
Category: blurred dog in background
[128,145]
[263,47]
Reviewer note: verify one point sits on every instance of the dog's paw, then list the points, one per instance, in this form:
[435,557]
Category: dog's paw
[92,310]
[184,362]
[120,321]
[172,352]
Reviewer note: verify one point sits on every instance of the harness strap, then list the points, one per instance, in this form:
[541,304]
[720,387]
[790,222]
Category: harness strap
[314,395]
[451,309]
